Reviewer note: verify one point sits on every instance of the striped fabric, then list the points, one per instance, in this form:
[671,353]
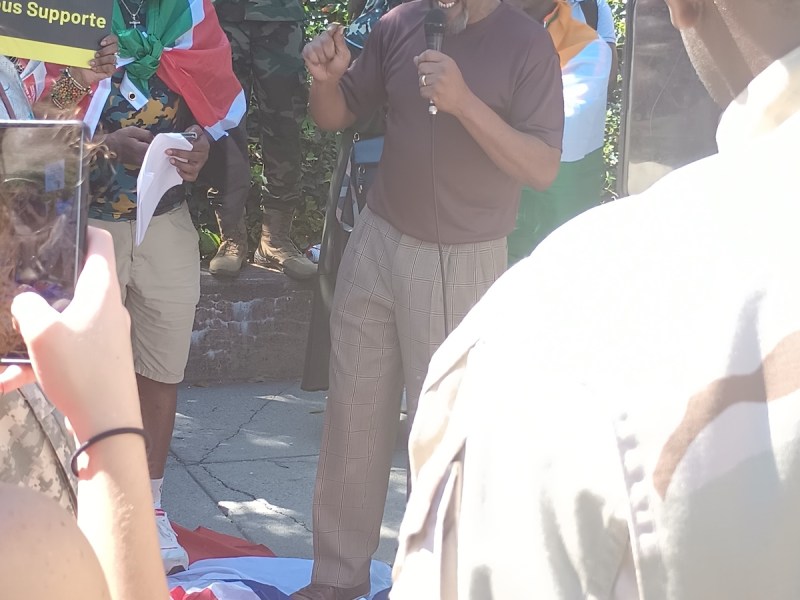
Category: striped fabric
[256,578]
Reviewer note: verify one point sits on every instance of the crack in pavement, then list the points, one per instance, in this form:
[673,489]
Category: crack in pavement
[257,459]
[214,502]
[267,402]
[227,486]
[270,507]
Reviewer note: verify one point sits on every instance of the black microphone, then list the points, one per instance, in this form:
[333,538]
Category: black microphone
[435,24]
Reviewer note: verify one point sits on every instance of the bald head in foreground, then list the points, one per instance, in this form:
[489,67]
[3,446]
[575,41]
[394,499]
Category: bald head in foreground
[619,417]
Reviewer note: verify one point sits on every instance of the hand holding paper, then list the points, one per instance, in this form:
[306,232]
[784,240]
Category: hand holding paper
[102,65]
[190,162]
[156,176]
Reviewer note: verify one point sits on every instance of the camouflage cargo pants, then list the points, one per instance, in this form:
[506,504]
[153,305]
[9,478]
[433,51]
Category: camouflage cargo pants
[268,62]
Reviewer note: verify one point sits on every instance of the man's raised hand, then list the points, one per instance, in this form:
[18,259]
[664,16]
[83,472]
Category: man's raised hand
[327,55]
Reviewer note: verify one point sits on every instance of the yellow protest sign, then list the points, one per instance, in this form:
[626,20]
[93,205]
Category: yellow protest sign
[66,32]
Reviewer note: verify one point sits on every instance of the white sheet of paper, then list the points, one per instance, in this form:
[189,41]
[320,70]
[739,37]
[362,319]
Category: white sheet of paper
[156,176]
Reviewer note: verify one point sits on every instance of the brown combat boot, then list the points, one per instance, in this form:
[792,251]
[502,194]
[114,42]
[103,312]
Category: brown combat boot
[277,250]
[231,254]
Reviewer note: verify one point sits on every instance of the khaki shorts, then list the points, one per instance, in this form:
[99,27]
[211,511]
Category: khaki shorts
[160,283]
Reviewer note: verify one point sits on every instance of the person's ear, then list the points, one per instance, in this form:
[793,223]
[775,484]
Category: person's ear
[684,13]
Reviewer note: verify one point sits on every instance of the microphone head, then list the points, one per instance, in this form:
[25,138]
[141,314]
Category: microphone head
[435,25]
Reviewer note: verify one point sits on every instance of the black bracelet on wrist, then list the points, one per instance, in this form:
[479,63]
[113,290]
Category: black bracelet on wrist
[73,463]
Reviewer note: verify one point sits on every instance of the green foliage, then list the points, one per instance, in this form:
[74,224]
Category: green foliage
[613,117]
[320,13]
[319,161]
[318,147]
[209,242]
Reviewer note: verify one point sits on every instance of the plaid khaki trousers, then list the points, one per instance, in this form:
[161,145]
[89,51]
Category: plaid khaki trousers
[386,323]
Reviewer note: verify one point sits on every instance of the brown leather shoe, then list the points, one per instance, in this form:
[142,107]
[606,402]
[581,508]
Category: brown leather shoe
[319,591]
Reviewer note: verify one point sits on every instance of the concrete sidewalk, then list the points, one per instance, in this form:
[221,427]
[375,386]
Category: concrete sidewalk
[243,462]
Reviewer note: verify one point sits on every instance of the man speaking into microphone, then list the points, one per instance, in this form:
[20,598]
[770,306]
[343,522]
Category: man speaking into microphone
[444,198]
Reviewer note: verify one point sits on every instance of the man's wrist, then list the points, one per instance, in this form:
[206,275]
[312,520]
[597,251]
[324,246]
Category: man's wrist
[329,83]
[467,107]
[77,75]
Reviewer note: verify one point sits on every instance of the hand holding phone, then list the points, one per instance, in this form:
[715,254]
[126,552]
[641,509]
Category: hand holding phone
[65,347]
[43,216]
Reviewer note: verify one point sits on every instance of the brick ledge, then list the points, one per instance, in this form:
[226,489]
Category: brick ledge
[249,328]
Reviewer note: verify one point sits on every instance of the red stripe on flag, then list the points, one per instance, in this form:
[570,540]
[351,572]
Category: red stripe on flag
[204,543]
[180,594]
[177,593]
[203,74]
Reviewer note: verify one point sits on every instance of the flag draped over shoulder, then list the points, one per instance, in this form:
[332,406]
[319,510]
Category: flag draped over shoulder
[186,48]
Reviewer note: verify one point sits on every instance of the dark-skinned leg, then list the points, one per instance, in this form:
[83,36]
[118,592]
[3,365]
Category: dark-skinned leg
[159,403]
[161,300]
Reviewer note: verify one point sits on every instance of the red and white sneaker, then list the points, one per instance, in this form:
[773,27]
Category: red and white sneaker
[173,555]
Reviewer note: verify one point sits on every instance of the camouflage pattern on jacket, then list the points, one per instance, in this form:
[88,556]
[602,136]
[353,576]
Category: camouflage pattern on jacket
[35,447]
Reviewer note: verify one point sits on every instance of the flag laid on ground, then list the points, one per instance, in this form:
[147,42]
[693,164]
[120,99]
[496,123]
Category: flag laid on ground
[223,567]
[203,543]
